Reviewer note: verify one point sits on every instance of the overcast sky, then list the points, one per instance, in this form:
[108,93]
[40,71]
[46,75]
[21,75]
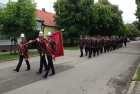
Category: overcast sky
[127,6]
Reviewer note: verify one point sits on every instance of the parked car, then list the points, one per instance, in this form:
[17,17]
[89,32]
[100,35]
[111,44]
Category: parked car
[135,39]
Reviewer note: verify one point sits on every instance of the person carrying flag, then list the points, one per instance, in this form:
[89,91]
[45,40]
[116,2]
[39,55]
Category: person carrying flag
[50,53]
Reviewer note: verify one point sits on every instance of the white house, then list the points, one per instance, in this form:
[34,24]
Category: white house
[5,44]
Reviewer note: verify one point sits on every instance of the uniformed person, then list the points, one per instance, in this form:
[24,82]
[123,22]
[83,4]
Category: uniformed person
[23,54]
[85,45]
[50,52]
[81,45]
[125,41]
[94,45]
[41,49]
[89,45]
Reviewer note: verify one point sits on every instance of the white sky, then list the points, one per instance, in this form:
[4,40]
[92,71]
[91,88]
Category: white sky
[127,6]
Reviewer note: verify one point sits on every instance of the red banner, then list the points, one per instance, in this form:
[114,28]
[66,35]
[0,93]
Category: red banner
[57,37]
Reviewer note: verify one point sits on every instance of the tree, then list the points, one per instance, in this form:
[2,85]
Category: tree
[101,27]
[18,17]
[124,31]
[137,14]
[75,16]
[134,32]
[110,18]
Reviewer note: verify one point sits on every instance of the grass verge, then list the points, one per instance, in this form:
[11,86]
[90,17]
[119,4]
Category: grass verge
[71,48]
[138,75]
[15,55]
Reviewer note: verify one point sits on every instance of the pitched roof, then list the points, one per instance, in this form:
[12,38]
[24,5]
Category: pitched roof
[47,17]
[38,19]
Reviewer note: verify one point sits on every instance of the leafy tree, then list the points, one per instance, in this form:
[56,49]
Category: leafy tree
[137,14]
[75,16]
[18,17]
[102,26]
[134,32]
[124,31]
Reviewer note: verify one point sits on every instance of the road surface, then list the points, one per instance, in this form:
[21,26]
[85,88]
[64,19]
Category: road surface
[109,73]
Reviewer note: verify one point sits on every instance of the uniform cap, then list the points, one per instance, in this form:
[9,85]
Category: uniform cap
[49,34]
[22,35]
[40,33]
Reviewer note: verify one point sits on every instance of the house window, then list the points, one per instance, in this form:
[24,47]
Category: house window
[3,38]
[39,24]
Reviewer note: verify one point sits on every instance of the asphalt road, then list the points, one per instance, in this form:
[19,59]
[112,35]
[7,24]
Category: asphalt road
[109,73]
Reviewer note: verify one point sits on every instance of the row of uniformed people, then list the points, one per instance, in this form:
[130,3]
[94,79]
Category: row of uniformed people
[95,45]
[44,47]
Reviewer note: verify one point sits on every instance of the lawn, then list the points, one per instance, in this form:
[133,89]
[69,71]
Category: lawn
[15,55]
[138,75]
[71,48]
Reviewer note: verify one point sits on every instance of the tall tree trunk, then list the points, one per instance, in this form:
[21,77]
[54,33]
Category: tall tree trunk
[13,43]
[71,42]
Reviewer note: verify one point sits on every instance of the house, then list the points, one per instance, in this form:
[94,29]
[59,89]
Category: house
[49,25]
[5,44]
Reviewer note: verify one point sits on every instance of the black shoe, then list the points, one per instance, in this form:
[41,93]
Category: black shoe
[15,70]
[45,70]
[38,73]
[44,76]
[52,74]
[27,69]
[81,56]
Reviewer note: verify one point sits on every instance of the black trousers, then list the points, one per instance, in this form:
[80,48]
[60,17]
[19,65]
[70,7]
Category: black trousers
[81,50]
[86,51]
[105,48]
[45,64]
[97,51]
[50,66]
[94,51]
[20,62]
[42,62]
[101,49]
[90,51]
[125,44]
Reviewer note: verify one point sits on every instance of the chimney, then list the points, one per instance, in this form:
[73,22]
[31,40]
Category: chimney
[43,9]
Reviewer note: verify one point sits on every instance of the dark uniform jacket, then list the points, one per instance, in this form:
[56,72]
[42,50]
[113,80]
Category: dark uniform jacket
[99,43]
[41,47]
[94,43]
[52,44]
[89,43]
[81,42]
[25,46]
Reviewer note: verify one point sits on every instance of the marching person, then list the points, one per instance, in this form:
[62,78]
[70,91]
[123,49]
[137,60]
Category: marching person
[125,41]
[23,54]
[89,45]
[81,45]
[85,45]
[94,45]
[50,51]
[41,49]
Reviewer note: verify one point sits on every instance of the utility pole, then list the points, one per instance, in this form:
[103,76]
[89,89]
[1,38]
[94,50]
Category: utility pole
[50,5]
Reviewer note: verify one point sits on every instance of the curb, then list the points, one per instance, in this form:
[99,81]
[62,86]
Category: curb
[16,58]
[133,83]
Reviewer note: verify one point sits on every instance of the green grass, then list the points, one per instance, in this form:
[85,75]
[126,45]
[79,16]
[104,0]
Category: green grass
[71,48]
[15,55]
[138,75]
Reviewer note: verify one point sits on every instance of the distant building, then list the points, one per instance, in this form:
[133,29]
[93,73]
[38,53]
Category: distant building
[49,25]
[45,22]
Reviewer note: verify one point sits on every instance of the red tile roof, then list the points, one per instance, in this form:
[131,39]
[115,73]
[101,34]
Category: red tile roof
[47,17]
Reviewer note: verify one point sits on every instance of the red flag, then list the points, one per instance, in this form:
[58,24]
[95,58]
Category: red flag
[57,37]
